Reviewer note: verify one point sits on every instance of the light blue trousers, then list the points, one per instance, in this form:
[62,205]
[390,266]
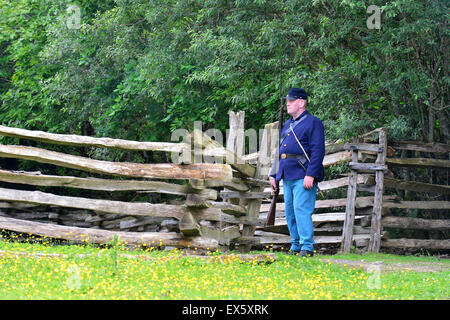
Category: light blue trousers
[299,206]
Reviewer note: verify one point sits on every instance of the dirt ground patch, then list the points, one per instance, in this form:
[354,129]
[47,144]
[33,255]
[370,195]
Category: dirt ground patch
[383,266]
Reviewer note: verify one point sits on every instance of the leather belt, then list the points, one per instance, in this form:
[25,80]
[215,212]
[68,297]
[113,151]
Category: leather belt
[293,156]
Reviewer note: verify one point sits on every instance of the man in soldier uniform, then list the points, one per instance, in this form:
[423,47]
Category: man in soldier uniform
[299,162]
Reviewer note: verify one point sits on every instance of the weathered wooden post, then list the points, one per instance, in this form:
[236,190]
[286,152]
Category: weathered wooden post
[347,230]
[262,167]
[235,137]
[375,228]
[236,144]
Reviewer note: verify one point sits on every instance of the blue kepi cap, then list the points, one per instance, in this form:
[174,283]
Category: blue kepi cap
[296,93]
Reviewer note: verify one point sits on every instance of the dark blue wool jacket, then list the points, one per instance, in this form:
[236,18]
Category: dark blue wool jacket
[311,134]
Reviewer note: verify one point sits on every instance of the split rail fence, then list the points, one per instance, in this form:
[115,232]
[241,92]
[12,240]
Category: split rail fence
[224,204]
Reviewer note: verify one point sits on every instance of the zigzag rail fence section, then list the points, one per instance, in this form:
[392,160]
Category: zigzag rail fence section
[223,205]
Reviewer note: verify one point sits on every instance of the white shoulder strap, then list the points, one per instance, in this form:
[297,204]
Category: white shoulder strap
[299,143]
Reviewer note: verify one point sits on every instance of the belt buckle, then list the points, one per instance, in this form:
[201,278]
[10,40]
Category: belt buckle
[283,156]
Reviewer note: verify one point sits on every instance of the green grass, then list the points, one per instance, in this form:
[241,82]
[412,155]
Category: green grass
[390,258]
[107,274]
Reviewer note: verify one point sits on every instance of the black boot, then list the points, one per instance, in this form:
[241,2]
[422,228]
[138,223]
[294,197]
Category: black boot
[306,253]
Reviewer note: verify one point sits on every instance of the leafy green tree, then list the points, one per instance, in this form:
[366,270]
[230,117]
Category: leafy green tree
[138,69]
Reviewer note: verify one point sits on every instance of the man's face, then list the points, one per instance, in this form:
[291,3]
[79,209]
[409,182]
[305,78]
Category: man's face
[294,106]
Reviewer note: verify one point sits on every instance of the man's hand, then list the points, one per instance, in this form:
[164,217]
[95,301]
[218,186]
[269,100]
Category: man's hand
[308,182]
[273,185]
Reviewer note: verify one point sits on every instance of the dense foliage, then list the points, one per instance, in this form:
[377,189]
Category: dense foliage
[137,69]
